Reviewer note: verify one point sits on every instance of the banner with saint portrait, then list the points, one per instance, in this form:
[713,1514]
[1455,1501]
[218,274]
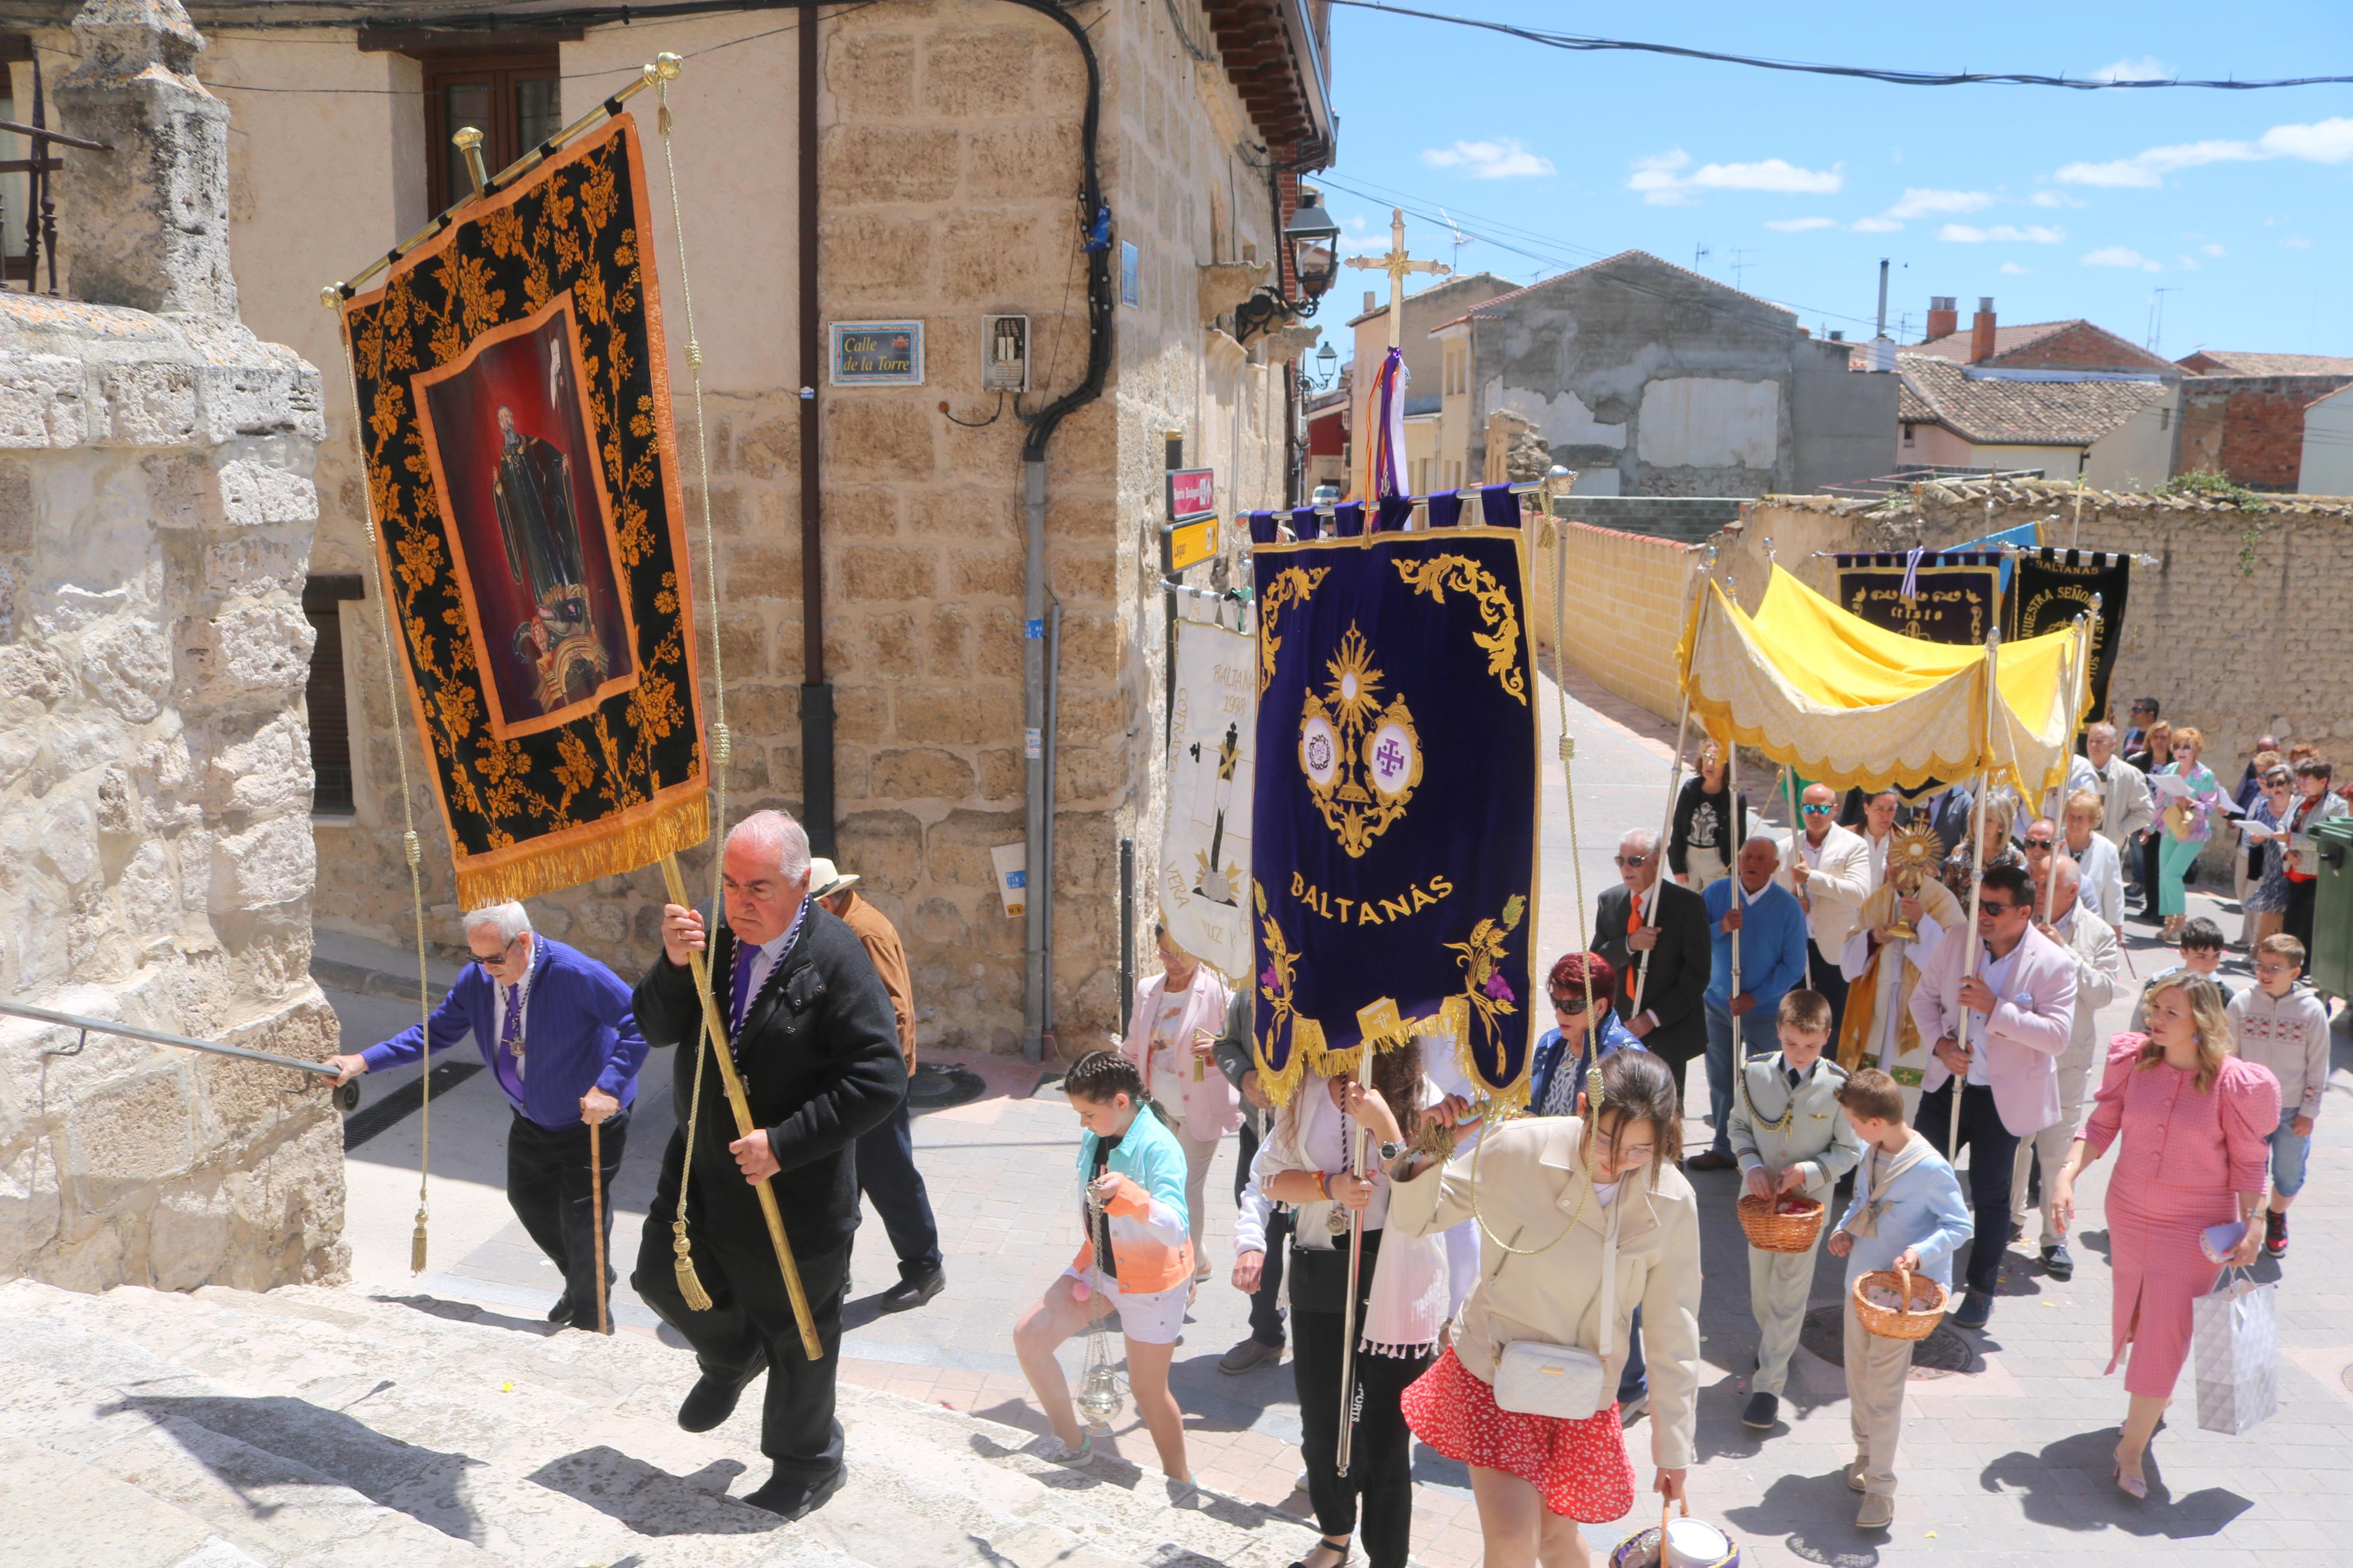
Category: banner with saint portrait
[514,404]
[1394,828]
[1205,846]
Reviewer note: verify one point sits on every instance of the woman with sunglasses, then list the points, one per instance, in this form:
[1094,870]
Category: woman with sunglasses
[2265,827]
[2188,822]
[1585,1030]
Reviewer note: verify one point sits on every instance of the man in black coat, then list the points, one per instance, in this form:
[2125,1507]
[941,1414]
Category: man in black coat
[818,1046]
[1672,1021]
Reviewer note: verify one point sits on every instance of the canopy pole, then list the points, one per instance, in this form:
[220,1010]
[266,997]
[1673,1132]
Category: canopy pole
[1976,857]
[1739,904]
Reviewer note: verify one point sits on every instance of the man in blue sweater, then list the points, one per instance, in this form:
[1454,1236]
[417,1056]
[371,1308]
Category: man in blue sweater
[1772,930]
[555,1029]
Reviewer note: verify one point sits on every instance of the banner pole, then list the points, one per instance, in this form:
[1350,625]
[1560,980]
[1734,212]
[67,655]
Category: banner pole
[716,1023]
[1976,882]
[1667,822]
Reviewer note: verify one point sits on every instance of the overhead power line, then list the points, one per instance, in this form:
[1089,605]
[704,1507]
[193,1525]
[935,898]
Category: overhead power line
[1588,43]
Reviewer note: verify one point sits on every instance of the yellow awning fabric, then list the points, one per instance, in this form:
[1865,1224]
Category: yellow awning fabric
[1847,703]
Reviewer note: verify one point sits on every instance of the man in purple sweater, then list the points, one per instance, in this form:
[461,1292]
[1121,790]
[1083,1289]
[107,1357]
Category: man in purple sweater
[555,1029]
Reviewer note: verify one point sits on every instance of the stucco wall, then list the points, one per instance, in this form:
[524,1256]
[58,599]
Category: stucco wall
[1843,421]
[1682,385]
[2136,455]
[2328,467]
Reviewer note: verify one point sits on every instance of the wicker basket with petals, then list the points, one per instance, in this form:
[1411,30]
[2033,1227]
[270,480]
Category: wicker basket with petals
[1782,1223]
[1924,1306]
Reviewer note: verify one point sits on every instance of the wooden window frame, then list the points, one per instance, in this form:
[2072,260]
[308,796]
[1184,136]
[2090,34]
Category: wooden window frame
[502,70]
[324,594]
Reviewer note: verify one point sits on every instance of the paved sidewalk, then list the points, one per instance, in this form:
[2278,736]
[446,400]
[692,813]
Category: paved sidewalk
[2004,1462]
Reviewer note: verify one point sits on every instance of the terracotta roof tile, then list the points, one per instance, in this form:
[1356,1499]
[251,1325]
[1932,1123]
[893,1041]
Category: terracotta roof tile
[2236,362]
[1993,410]
[1490,307]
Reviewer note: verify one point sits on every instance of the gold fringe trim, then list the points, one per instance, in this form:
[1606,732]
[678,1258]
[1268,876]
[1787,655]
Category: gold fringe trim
[682,825]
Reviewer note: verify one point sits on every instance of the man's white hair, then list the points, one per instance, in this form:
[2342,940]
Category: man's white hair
[788,838]
[1641,840]
[1768,841]
[511,919]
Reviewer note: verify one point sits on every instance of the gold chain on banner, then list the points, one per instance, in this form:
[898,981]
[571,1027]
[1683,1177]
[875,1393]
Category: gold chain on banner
[682,1261]
[411,849]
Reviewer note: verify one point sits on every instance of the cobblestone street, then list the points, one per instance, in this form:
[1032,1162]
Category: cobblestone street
[2008,1434]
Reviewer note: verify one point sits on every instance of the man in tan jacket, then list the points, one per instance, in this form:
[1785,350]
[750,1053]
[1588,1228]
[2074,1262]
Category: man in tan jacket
[886,1155]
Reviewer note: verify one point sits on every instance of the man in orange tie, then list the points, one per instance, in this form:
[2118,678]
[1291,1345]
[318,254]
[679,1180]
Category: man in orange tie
[1645,920]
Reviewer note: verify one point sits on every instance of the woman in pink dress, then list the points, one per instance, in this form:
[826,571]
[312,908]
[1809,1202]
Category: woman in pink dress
[2192,1115]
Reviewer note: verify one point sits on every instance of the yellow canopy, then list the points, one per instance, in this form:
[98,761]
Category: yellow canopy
[1847,703]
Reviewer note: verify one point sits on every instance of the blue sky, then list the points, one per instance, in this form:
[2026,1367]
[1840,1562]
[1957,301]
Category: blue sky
[2058,204]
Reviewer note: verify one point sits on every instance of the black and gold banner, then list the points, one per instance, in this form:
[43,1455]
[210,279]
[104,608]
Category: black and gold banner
[1394,813]
[2051,587]
[1947,598]
[514,412]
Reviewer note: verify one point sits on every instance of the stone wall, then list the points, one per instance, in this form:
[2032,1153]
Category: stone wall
[156,861]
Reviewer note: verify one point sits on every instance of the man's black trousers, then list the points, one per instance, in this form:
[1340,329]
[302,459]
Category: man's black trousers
[1992,1148]
[887,1175]
[547,1183]
[750,1323]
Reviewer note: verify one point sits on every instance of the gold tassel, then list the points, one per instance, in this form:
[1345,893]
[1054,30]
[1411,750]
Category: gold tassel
[698,1300]
[417,1244]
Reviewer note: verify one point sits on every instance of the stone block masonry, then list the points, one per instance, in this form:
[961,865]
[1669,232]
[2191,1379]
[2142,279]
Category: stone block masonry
[1628,592]
[157,508]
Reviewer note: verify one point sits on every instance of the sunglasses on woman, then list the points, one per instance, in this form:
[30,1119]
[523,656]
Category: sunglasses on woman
[1572,1005]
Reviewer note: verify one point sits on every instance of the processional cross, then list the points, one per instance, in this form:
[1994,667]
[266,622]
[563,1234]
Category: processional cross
[1398,265]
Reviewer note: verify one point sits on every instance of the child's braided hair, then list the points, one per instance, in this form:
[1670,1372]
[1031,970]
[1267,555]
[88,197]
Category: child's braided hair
[1100,1075]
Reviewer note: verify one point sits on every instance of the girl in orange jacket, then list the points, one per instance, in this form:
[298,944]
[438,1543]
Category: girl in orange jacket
[1137,1258]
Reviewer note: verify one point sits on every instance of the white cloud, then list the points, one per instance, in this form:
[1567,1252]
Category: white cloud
[1505,158]
[2186,264]
[1875,226]
[2055,199]
[2121,255]
[2001,233]
[1799,225]
[2135,68]
[2013,270]
[2323,142]
[1662,180]
[2327,142]
[1919,201]
[2295,242]
[2212,249]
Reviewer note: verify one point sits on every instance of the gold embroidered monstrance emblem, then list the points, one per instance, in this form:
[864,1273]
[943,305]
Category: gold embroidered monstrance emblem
[1362,760]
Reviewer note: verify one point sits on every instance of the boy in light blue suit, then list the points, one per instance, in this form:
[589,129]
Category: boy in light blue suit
[1908,1211]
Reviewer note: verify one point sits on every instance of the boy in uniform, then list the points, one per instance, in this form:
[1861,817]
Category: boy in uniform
[1789,1137]
[1908,1211]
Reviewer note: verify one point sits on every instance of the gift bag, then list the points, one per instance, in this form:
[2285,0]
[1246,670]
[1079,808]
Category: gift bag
[2235,1344]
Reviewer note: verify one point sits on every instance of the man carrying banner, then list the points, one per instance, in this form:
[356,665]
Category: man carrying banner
[811,1028]
[554,1028]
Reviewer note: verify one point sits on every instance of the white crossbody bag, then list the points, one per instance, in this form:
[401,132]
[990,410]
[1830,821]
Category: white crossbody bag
[1535,1377]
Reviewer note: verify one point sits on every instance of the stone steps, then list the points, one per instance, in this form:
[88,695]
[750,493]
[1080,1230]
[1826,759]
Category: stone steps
[316,1425]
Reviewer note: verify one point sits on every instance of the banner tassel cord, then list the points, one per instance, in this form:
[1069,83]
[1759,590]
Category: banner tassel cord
[690,1286]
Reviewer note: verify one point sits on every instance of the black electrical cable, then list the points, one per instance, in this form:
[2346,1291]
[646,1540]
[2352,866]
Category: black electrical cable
[1586,42]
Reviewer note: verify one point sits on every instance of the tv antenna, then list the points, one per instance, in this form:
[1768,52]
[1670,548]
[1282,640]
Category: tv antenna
[1740,265]
[2156,315]
[1460,238]
[1700,253]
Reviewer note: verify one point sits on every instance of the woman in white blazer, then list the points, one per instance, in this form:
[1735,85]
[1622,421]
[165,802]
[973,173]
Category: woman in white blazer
[1586,1218]
[1172,1031]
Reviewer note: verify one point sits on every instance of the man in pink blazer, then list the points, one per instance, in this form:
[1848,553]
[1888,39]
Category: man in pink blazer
[2001,1032]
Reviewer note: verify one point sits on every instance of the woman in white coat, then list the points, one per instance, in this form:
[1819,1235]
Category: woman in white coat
[1584,1219]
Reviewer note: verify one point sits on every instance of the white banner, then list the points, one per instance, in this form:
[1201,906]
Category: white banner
[1205,852]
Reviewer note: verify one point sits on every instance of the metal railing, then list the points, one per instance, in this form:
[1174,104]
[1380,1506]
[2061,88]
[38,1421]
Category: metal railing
[40,202]
[158,1037]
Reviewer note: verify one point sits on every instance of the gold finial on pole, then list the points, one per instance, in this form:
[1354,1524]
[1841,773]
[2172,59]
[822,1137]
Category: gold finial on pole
[331,296]
[1397,265]
[668,66]
[469,140]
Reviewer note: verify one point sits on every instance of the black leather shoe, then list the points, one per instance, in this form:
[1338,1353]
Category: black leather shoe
[1977,1309]
[793,1500]
[711,1401]
[562,1311]
[2057,1262]
[1764,1409]
[911,1293]
[1712,1160]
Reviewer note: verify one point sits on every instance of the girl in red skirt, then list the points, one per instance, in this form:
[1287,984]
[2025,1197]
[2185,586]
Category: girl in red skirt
[1584,1219]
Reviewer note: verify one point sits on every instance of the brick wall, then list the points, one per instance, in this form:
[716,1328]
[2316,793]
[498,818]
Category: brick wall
[2250,426]
[1627,598]
[2082,347]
